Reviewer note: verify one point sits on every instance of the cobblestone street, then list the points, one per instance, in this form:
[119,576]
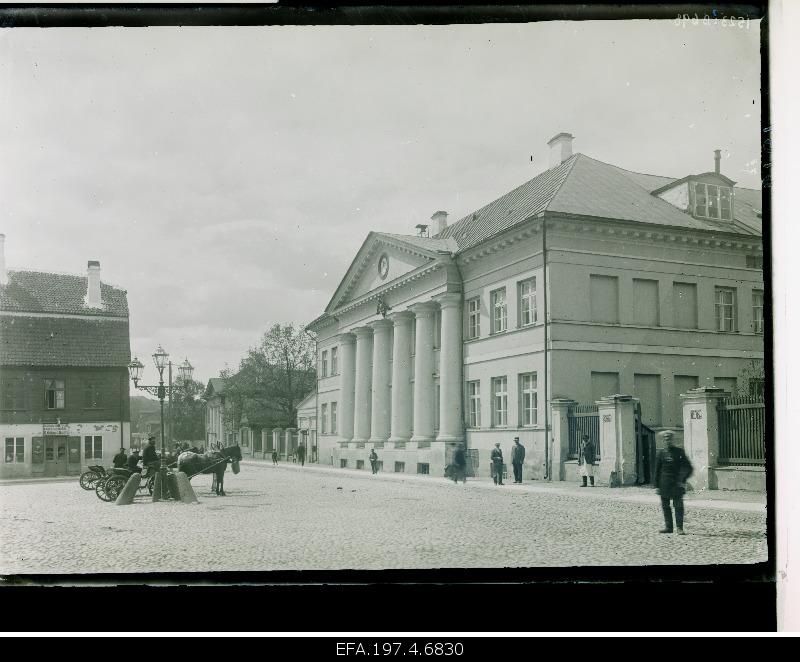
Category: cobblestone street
[288,518]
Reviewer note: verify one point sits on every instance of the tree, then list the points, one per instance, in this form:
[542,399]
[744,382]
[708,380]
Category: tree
[272,379]
[752,379]
[188,411]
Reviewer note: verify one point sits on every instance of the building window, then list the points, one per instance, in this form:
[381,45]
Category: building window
[713,201]
[474,404]
[92,396]
[324,368]
[324,418]
[343,463]
[399,467]
[645,302]
[15,449]
[604,298]
[499,401]
[334,361]
[758,311]
[359,464]
[54,394]
[474,318]
[93,447]
[333,418]
[684,303]
[499,310]
[423,468]
[527,302]
[528,398]
[754,261]
[725,308]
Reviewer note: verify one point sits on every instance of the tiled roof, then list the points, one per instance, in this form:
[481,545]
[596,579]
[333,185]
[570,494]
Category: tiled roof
[42,292]
[215,384]
[507,211]
[53,341]
[587,187]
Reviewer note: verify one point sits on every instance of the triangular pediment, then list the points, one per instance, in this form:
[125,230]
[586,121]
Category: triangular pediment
[382,259]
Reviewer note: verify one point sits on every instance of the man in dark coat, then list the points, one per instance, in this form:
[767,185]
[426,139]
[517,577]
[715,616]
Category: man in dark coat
[301,454]
[497,464]
[149,456]
[459,469]
[517,458]
[120,459]
[672,470]
[133,461]
[586,459]
[373,461]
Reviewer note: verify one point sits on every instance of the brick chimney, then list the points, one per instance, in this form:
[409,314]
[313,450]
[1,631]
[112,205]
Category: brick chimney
[94,298]
[560,148]
[3,273]
[716,160]
[439,222]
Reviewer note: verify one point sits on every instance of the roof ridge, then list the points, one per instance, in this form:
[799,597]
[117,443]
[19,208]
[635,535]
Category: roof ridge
[565,175]
[63,273]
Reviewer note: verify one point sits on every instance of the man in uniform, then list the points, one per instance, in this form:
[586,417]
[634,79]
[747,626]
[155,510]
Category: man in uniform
[672,470]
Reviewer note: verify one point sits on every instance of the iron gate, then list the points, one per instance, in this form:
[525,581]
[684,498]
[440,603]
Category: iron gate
[741,430]
[583,419]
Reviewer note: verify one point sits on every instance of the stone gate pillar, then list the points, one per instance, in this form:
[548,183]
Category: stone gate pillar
[701,433]
[559,421]
[616,414]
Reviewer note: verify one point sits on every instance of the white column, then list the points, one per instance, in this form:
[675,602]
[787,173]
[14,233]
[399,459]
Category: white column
[347,363]
[401,376]
[361,427]
[424,392]
[451,423]
[381,376]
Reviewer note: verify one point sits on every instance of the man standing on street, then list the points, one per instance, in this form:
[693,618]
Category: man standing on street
[672,470]
[497,464]
[587,456]
[517,458]
[120,459]
[149,456]
[373,461]
[301,454]
[460,464]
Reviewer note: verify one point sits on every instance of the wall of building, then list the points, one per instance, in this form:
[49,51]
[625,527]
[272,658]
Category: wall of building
[112,435]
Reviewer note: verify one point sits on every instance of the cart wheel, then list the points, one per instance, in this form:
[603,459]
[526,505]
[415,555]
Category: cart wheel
[88,480]
[113,486]
[100,490]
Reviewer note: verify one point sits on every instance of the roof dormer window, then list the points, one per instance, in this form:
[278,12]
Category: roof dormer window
[713,201]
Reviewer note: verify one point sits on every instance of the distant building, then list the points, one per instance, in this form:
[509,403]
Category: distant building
[307,425]
[588,280]
[219,428]
[64,354]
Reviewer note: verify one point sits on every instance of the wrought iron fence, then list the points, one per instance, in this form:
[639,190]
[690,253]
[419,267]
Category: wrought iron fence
[583,419]
[741,430]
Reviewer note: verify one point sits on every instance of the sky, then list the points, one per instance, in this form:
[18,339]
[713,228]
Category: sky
[226,176]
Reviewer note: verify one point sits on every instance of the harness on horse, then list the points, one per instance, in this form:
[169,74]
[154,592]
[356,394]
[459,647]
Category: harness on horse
[210,466]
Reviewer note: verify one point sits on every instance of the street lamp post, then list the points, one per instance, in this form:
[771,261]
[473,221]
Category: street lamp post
[161,360]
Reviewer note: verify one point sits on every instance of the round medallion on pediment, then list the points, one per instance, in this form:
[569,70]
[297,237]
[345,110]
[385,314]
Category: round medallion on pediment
[383,265]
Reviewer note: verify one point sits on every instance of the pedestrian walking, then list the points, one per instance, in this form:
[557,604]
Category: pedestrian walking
[275,457]
[672,470]
[497,464]
[301,455]
[517,458]
[120,459]
[373,461]
[586,459]
[459,468]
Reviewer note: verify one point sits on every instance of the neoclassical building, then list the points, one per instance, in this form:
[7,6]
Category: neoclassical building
[586,281]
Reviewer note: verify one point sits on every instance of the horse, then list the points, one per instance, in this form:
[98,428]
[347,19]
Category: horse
[213,462]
